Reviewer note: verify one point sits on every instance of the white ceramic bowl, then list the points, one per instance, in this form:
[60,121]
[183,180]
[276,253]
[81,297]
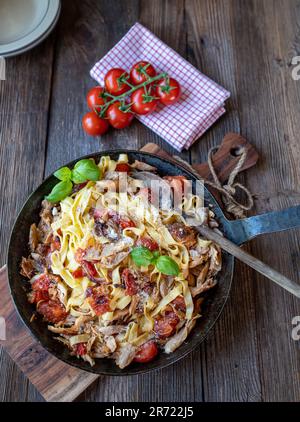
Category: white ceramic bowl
[25,23]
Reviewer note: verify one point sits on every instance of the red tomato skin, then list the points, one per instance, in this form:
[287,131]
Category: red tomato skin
[168,98]
[123,167]
[93,125]
[111,81]
[79,273]
[165,326]
[148,243]
[146,352]
[130,283]
[136,77]
[80,349]
[138,106]
[42,283]
[89,269]
[117,118]
[98,301]
[94,98]
[52,311]
[125,224]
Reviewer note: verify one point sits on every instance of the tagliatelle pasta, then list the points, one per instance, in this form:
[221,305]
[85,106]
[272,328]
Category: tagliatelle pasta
[113,273]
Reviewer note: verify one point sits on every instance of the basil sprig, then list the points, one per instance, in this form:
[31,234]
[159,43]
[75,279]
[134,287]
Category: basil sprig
[83,171]
[143,257]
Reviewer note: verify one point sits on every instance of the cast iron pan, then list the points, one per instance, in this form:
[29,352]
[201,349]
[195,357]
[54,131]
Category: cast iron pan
[237,231]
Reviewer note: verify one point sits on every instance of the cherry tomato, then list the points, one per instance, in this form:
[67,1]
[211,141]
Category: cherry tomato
[53,311]
[98,301]
[123,167]
[130,282]
[117,117]
[113,81]
[80,349]
[79,273]
[147,243]
[165,326]
[168,91]
[146,352]
[139,72]
[93,125]
[95,98]
[142,103]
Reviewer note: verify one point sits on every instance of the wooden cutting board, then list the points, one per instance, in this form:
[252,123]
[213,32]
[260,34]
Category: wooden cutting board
[55,380]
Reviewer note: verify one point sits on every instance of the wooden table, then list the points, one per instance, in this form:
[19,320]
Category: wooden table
[247,47]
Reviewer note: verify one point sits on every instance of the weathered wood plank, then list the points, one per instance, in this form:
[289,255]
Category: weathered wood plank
[229,357]
[24,98]
[268,113]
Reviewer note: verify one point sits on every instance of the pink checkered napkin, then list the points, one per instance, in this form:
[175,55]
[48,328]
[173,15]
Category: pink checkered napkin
[202,100]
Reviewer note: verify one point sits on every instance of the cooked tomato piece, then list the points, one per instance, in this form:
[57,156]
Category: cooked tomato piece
[89,269]
[129,280]
[79,273]
[147,243]
[124,223]
[98,301]
[80,349]
[179,303]
[165,326]
[123,167]
[53,311]
[42,283]
[146,352]
[38,295]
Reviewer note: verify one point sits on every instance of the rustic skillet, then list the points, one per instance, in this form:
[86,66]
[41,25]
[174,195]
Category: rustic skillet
[237,231]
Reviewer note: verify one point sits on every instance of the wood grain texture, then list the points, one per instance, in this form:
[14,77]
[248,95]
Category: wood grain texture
[54,380]
[245,46]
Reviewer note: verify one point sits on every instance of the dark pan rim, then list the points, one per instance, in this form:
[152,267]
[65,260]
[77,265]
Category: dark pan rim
[126,371]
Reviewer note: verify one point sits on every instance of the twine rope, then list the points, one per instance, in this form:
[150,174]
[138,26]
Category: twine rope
[228,191]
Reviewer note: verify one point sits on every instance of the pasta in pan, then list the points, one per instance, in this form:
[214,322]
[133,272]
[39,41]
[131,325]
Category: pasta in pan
[115,274]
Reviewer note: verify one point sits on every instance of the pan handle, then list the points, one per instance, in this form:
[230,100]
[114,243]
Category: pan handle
[243,230]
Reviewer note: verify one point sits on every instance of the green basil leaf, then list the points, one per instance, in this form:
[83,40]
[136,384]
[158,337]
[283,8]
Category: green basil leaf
[156,254]
[63,173]
[141,256]
[60,191]
[85,170]
[167,265]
